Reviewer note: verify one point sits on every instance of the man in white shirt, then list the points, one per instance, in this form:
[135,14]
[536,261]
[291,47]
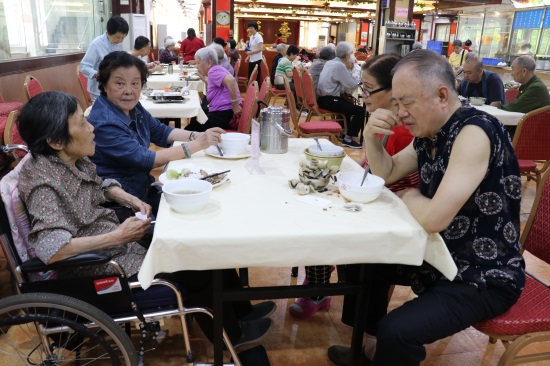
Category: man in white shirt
[256,45]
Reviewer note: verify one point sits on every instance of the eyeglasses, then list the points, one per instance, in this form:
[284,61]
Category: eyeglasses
[368,93]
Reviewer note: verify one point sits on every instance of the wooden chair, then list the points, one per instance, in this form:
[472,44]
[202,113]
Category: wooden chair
[311,102]
[264,94]
[299,88]
[531,143]
[330,129]
[32,86]
[264,70]
[83,82]
[274,93]
[528,321]
[253,77]
[511,94]
[7,107]
[249,109]
[237,67]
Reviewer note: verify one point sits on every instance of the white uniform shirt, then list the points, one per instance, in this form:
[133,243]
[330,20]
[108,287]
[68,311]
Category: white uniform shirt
[254,42]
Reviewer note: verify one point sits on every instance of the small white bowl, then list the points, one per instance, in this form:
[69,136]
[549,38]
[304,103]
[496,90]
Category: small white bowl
[234,143]
[328,150]
[187,195]
[477,101]
[349,184]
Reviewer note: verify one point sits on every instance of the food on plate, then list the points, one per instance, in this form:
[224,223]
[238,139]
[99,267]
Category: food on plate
[173,174]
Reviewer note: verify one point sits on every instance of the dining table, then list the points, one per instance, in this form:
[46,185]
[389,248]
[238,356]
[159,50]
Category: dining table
[176,79]
[255,219]
[189,107]
[505,117]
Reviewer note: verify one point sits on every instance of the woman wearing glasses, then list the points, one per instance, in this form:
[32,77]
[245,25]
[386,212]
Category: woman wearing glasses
[377,93]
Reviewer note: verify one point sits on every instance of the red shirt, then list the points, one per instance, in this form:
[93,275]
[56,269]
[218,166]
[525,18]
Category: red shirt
[278,40]
[189,47]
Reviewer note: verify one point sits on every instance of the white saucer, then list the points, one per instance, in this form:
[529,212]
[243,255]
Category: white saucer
[213,151]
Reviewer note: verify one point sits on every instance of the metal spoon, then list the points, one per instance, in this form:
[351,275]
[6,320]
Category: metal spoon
[219,150]
[367,170]
[318,144]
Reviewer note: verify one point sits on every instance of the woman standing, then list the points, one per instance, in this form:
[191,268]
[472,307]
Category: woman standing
[190,45]
[222,94]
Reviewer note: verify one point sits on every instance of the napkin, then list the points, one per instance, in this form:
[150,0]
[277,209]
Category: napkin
[184,90]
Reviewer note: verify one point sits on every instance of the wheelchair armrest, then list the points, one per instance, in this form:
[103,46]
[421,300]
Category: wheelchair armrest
[85,259]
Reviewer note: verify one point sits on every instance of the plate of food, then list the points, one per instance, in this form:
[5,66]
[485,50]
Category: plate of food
[193,173]
[158,73]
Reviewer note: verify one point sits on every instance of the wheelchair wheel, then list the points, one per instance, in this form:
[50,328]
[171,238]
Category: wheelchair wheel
[52,330]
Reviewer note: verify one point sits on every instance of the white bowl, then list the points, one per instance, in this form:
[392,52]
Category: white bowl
[187,195]
[350,187]
[234,143]
[477,101]
[328,150]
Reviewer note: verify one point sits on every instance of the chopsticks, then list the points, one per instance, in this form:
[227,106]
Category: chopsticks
[214,175]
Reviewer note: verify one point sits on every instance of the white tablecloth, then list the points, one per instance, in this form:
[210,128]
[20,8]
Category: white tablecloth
[190,107]
[175,79]
[256,221]
[505,117]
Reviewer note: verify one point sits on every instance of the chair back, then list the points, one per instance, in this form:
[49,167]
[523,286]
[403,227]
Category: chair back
[249,108]
[531,140]
[11,132]
[511,94]
[264,70]
[309,90]
[291,105]
[253,77]
[361,56]
[83,81]
[263,94]
[1,99]
[536,235]
[298,84]
[237,67]
[32,86]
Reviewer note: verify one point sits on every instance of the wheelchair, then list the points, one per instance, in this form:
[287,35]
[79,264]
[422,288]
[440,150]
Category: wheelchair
[85,320]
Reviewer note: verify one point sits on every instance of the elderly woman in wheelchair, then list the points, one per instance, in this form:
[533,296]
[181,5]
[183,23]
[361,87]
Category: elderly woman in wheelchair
[64,197]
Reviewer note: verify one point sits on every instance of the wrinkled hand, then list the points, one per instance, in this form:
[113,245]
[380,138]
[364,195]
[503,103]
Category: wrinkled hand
[210,137]
[133,229]
[237,109]
[381,121]
[140,206]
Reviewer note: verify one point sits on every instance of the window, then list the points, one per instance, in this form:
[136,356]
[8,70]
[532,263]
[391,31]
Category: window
[30,28]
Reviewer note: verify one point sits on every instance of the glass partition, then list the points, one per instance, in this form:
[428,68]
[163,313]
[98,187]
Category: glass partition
[495,36]
[469,27]
[544,45]
[525,31]
[30,28]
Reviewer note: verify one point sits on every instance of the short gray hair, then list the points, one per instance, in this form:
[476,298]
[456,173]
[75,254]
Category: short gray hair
[430,67]
[343,48]
[218,49]
[470,55]
[281,47]
[457,42]
[207,53]
[526,61]
[169,42]
[476,62]
[327,53]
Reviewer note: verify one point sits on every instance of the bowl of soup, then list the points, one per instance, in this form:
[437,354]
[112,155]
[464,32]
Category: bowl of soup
[477,101]
[187,195]
[349,184]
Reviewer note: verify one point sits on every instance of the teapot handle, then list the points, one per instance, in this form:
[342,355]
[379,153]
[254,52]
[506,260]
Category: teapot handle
[258,109]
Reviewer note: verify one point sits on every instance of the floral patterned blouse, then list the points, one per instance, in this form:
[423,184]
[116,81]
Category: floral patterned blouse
[483,238]
[64,202]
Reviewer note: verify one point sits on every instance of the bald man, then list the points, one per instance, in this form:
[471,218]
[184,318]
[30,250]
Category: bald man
[481,83]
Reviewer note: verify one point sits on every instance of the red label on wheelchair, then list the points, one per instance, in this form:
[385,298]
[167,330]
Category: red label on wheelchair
[107,285]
